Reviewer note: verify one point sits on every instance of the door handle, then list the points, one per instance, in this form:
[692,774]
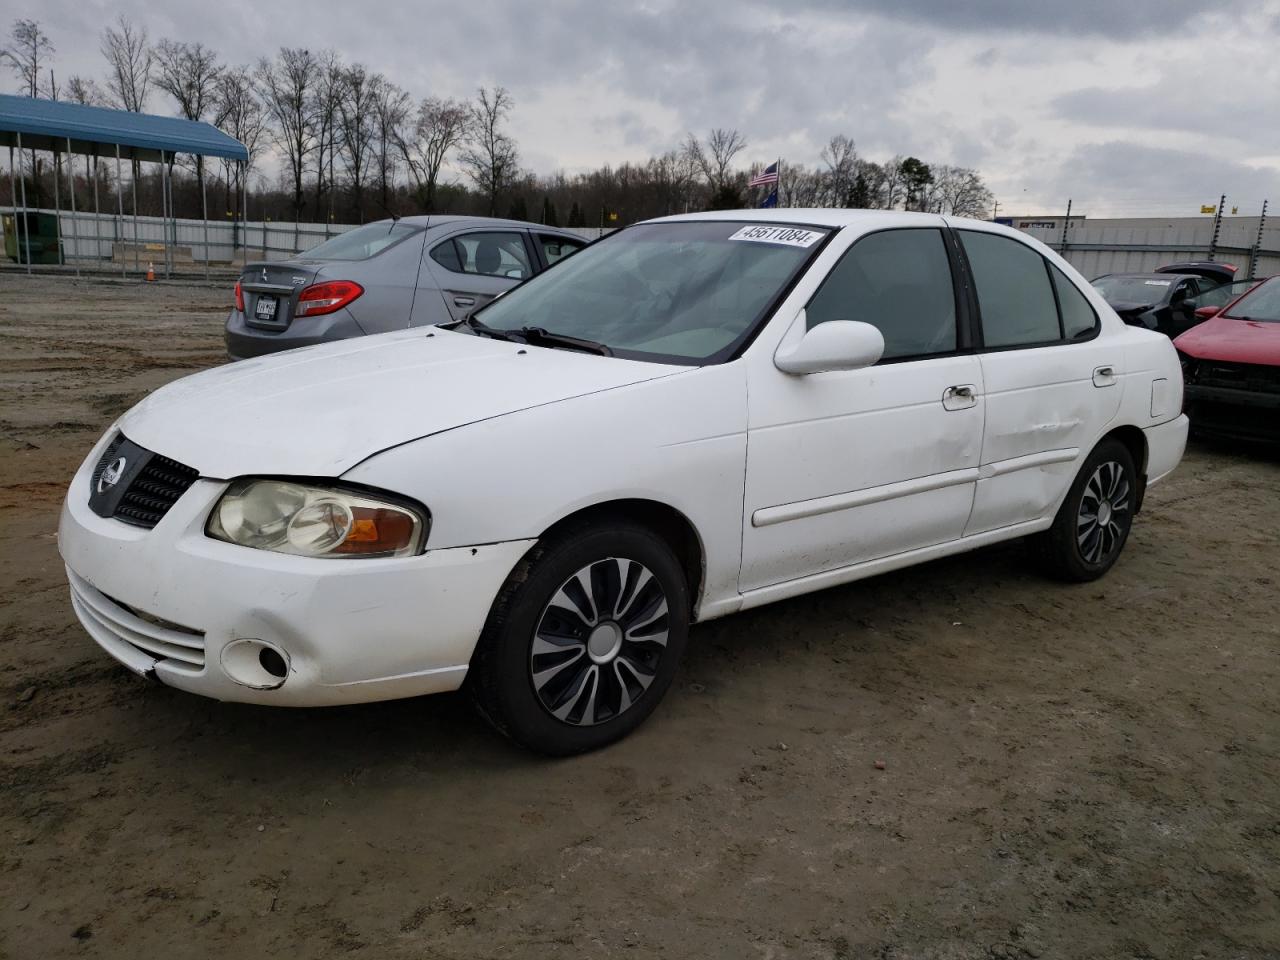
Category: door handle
[960,397]
[464,301]
[1104,376]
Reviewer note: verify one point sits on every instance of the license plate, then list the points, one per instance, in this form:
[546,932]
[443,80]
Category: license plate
[266,308]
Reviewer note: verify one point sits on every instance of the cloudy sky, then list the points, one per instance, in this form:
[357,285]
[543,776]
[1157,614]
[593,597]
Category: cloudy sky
[1128,107]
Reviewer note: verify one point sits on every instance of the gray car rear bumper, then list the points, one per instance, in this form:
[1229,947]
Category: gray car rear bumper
[244,341]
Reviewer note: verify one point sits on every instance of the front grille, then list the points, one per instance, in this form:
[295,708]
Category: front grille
[1254,377]
[151,485]
[111,622]
[156,489]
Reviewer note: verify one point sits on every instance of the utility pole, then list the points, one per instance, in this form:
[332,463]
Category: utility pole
[1257,246]
[1062,247]
[995,210]
[1217,226]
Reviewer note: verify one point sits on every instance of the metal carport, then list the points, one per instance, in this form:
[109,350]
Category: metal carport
[27,123]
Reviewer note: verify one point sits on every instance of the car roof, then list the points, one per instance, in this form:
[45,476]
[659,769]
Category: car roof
[814,216]
[1150,276]
[444,219]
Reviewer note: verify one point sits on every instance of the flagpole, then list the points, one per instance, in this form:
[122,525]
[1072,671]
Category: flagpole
[778,186]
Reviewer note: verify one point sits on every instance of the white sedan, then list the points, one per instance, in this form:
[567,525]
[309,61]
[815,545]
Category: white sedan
[695,416]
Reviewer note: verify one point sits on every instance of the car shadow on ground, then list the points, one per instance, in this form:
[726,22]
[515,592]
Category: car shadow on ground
[443,731]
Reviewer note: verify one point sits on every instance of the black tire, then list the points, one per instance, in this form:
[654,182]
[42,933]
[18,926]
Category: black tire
[508,674]
[1075,549]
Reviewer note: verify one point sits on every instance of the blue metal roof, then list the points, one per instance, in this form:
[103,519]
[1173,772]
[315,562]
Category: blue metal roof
[47,124]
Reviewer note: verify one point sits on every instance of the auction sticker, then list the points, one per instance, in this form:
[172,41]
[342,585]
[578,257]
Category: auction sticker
[788,236]
[1157,283]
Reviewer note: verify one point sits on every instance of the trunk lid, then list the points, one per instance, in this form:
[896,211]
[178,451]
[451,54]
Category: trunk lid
[271,291]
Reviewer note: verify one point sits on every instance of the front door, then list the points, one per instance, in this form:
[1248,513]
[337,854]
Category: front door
[472,268]
[850,466]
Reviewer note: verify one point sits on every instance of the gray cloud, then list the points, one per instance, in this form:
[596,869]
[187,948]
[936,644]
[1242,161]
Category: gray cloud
[1122,21]
[1009,86]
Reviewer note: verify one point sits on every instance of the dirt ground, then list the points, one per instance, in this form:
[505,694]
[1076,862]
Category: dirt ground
[1077,772]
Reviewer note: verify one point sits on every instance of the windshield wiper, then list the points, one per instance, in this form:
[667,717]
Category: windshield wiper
[540,336]
[483,330]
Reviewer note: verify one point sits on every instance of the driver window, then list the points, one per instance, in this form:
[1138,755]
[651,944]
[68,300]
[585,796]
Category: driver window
[898,281]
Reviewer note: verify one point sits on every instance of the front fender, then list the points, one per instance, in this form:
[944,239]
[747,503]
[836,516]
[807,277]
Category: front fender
[679,441]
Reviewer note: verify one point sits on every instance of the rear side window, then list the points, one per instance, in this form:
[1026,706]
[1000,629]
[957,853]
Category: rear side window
[487,254]
[1078,318]
[898,281]
[1014,295]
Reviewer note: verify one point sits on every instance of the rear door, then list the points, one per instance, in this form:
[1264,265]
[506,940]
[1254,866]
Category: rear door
[474,266]
[1052,383]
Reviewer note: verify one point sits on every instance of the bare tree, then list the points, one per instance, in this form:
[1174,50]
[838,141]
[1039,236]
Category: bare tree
[958,192]
[391,107]
[189,73]
[85,91]
[326,98]
[798,186]
[238,112]
[356,130]
[129,64]
[285,87]
[27,52]
[490,157]
[715,157]
[439,127]
[892,188]
[841,159]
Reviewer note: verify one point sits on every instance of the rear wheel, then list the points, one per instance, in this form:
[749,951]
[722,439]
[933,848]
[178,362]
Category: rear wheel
[1093,522]
[583,640]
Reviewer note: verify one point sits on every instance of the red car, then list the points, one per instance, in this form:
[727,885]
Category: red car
[1231,367]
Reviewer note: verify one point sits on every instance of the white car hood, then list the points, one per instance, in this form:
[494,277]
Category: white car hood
[318,411]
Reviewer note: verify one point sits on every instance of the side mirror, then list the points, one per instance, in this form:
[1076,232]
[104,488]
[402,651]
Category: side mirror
[1204,313]
[834,345]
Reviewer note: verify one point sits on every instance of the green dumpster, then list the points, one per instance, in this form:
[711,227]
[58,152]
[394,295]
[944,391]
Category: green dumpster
[40,232]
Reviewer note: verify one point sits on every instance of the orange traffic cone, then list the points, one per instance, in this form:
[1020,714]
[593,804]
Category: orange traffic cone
[151,273]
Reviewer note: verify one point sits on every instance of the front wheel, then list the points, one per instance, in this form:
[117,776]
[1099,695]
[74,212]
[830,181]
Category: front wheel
[1093,522]
[583,640]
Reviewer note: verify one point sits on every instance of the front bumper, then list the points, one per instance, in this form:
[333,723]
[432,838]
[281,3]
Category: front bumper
[245,341]
[1242,414]
[172,603]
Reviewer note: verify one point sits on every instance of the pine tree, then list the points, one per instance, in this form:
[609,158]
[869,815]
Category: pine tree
[519,209]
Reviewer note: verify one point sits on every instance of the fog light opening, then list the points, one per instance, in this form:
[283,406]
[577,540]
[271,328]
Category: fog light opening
[255,663]
[273,663]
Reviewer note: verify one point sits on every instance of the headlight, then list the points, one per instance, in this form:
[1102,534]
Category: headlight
[311,521]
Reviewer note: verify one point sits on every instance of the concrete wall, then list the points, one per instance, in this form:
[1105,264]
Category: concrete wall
[1138,245]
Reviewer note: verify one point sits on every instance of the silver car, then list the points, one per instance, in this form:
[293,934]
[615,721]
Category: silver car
[387,275]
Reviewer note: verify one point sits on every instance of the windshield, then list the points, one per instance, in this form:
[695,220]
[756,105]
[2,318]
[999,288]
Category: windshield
[360,243]
[1261,304]
[682,292]
[1132,289]
[1220,296]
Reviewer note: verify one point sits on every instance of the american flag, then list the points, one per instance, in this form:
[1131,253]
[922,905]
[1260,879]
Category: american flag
[766,176]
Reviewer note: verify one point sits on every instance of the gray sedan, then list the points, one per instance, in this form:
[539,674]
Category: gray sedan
[387,275]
